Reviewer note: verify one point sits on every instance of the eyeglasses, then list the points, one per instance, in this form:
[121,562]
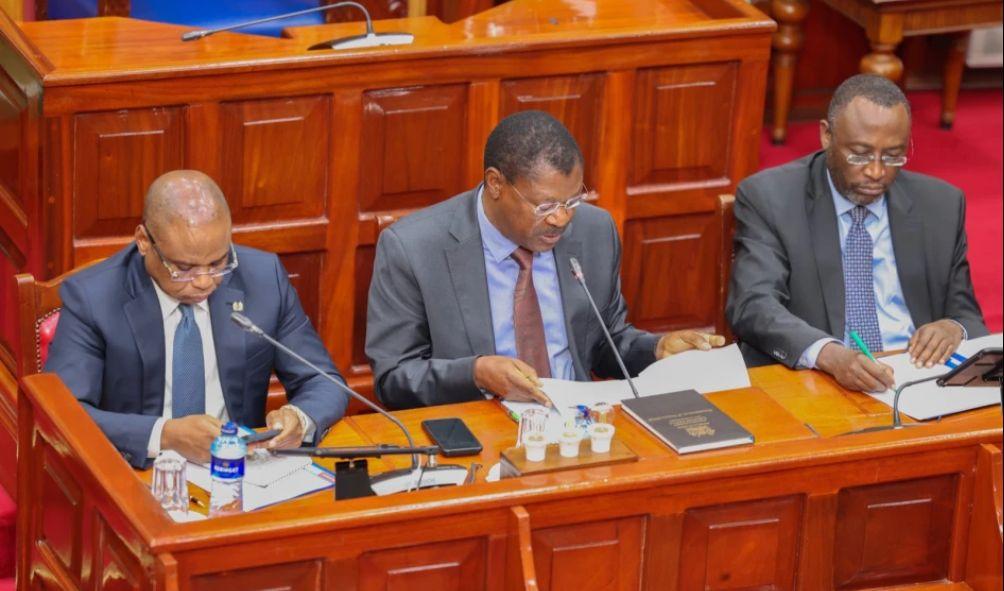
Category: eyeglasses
[551,207]
[866,159]
[191,274]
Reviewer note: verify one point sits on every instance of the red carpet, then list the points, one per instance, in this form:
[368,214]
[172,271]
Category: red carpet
[969,156]
[7,519]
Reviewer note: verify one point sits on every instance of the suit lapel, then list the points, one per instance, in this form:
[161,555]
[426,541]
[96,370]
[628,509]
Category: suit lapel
[146,321]
[228,339]
[573,302]
[825,239]
[466,262]
[908,246]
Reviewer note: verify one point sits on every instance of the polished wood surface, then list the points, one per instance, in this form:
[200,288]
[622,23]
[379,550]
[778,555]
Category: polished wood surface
[318,152]
[804,508]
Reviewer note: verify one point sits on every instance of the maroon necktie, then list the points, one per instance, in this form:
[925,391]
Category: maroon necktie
[528,325]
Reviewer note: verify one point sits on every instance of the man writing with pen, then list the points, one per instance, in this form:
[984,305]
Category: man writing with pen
[476,296]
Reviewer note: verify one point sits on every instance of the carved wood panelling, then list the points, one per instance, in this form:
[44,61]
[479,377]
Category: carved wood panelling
[116,157]
[446,566]
[290,576]
[682,126]
[897,532]
[60,524]
[304,271]
[573,100]
[680,255]
[741,546]
[365,256]
[597,556]
[275,158]
[413,145]
[115,567]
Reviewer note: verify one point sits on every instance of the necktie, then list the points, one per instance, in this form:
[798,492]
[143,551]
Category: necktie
[859,283]
[528,325]
[188,386]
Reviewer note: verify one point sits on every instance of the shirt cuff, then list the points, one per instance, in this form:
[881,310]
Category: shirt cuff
[306,423]
[965,335]
[809,356]
[153,446]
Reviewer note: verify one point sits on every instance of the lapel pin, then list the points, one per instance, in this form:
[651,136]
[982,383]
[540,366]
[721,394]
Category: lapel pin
[237,306]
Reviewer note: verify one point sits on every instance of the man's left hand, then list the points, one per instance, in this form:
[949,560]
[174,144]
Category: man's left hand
[291,431]
[684,340]
[934,343]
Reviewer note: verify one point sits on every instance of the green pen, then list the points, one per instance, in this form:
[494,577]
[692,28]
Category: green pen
[862,346]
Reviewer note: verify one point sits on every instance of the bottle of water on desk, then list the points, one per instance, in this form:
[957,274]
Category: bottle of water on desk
[227,469]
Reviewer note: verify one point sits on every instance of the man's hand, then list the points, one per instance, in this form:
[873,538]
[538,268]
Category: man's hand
[853,370]
[934,343]
[291,431]
[191,436]
[509,378]
[684,340]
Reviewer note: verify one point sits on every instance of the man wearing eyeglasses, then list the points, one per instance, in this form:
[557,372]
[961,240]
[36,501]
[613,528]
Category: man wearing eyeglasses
[845,242]
[475,295]
[145,341]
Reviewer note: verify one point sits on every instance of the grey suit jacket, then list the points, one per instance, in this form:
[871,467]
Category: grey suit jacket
[787,287]
[429,315]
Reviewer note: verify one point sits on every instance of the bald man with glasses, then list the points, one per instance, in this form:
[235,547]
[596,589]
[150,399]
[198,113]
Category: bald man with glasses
[145,341]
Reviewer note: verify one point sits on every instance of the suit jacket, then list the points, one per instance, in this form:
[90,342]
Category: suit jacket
[787,287]
[429,315]
[109,347]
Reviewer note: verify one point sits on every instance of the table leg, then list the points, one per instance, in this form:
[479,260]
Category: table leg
[787,43]
[954,66]
[884,37]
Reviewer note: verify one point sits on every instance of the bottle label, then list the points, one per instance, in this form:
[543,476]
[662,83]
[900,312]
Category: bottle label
[227,468]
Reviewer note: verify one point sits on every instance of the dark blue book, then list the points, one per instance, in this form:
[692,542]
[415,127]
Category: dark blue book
[687,421]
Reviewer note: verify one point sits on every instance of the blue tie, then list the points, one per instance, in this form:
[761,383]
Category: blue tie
[859,282]
[188,387]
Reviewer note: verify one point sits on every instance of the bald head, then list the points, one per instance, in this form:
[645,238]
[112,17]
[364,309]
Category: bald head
[188,198]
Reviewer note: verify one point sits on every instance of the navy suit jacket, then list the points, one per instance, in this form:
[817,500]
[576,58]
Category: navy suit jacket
[109,347]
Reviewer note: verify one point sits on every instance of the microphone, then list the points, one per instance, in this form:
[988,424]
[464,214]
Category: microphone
[581,277]
[370,39]
[388,482]
[897,422]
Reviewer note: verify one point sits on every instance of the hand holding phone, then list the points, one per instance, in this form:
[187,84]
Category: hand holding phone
[260,436]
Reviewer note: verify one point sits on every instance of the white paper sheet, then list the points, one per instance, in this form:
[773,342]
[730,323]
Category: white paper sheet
[298,483]
[928,400]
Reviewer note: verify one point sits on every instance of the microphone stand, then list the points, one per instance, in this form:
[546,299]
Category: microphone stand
[352,479]
[387,483]
[369,39]
[581,277]
[897,421]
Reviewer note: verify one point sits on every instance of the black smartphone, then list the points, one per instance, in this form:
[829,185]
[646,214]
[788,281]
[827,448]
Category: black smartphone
[981,369]
[452,436]
[260,436]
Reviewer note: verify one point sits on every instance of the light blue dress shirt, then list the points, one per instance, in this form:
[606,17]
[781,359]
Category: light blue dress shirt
[893,315]
[502,271]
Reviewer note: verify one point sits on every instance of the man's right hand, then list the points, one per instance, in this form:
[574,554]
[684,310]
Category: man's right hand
[509,378]
[853,370]
[191,436]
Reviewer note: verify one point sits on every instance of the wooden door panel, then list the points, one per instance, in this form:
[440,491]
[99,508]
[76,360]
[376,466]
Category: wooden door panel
[600,556]
[292,576]
[413,147]
[670,271]
[117,154]
[741,546]
[304,270]
[457,565]
[895,532]
[573,100]
[275,158]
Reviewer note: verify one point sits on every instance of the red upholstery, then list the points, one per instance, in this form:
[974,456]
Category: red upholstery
[46,331]
[8,516]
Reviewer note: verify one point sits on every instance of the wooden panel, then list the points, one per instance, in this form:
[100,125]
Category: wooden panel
[573,100]
[412,147]
[897,532]
[116,157]
[603,555]
[741,546]
[456,565]
[293,576]
[275,156]
[679,254]
[304,271]
[115,568]
[683,126]
[365,256]
[60,524]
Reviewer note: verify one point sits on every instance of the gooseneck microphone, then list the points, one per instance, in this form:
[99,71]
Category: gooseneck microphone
[581,277]
[897,423]
[369,39]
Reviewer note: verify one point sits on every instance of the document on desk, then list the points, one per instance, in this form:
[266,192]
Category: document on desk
[298,482]
[928,400]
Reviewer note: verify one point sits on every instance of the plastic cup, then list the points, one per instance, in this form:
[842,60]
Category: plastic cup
[533,420]
[600,436]
[569,443]
[536,447]
[601,412]
[170,484]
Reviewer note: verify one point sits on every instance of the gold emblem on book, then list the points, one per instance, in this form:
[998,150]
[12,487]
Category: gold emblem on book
[700,431]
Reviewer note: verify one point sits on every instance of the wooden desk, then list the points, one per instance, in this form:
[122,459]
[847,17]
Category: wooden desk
[795,511]
[886,23]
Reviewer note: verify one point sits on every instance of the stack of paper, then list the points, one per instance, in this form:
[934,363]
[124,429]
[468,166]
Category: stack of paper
[271,479]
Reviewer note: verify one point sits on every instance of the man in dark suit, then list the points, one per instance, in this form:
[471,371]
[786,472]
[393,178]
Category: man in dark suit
[843,240]
[475,295]
[146,344]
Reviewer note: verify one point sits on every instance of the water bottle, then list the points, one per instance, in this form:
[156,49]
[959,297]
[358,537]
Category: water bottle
[227,469]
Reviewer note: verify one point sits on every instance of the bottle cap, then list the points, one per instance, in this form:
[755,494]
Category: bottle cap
[229,429]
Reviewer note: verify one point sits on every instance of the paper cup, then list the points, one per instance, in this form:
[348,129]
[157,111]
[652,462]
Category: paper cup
[536,447]
[600,436]
[570,444]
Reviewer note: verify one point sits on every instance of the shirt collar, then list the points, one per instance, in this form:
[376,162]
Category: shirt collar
[168,304]
[844,205]
[498,246]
